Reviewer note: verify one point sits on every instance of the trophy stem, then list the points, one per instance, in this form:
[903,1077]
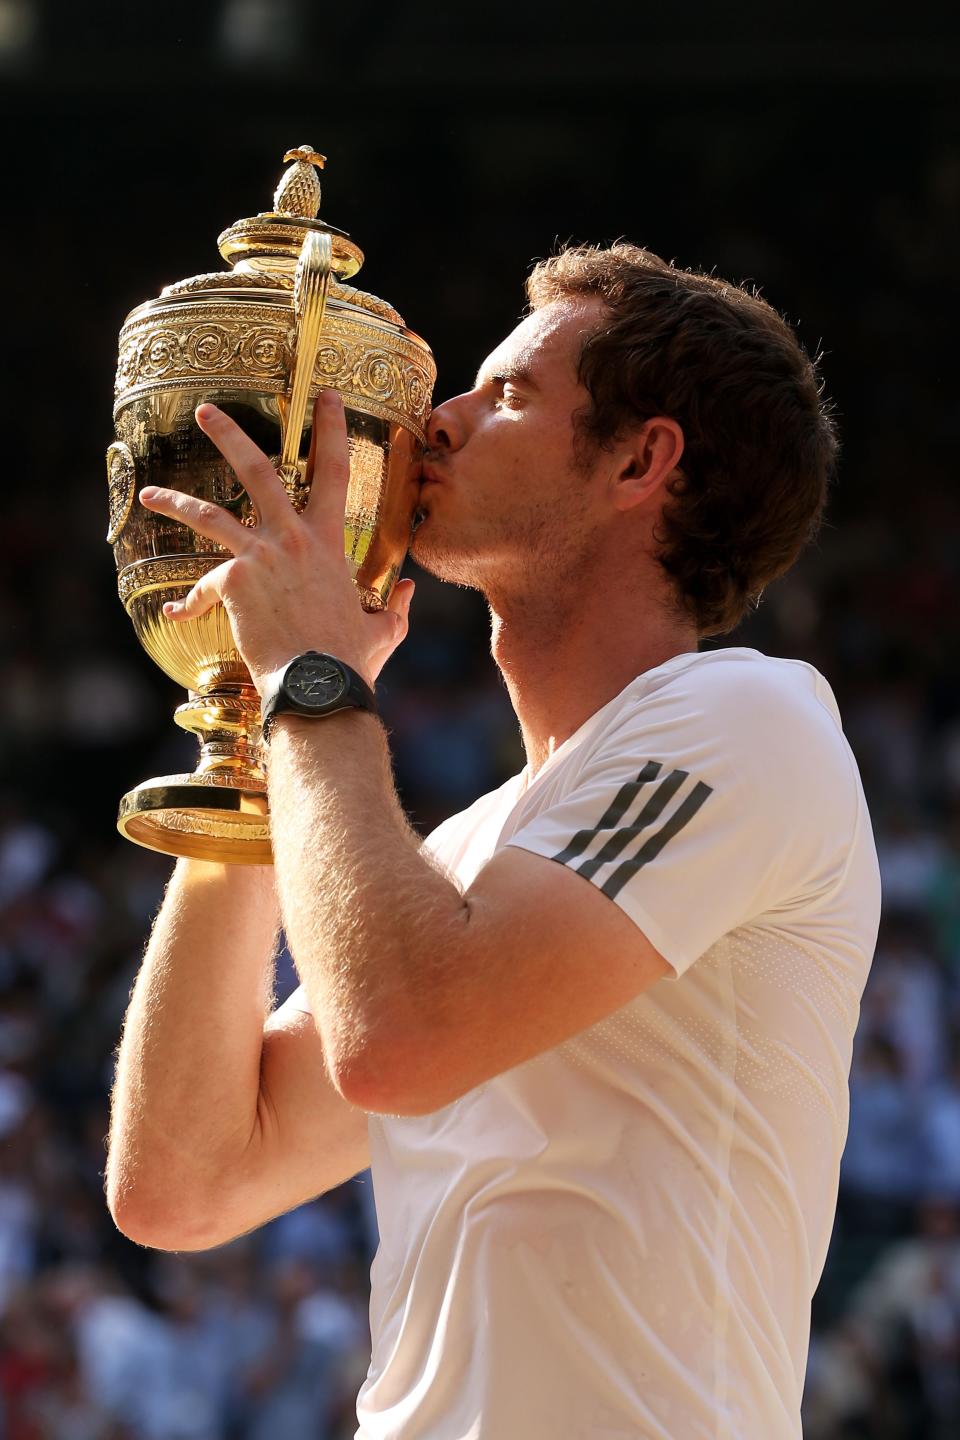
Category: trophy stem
[226,720]
[220,811]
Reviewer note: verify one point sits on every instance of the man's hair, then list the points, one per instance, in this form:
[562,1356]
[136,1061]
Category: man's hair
[760,446]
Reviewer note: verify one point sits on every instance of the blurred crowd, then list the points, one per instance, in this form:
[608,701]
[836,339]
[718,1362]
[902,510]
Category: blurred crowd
[268,1337]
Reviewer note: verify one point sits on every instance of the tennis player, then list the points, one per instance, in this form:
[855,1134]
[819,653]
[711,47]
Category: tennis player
[594,1033]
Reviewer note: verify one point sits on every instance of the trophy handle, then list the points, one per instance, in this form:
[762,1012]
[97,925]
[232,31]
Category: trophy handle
[310,287]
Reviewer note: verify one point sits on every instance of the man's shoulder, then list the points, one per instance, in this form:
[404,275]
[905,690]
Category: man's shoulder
[737,699]
[739,673]
[762,734]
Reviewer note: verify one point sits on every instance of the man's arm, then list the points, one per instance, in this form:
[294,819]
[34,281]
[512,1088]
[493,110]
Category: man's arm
[223,1115]
[420,991]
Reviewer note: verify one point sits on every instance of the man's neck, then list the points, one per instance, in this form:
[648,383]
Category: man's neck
[562,665]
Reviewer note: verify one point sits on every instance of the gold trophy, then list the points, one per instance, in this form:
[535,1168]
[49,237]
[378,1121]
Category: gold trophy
[258,340]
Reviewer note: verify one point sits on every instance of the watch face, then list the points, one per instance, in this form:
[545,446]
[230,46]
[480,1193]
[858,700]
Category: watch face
[315,683]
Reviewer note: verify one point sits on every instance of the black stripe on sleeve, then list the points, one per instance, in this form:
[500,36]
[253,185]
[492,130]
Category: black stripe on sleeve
[651,848]
[614,813]
[652,811]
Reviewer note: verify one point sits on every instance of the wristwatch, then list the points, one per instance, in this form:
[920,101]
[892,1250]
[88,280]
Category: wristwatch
[313,684]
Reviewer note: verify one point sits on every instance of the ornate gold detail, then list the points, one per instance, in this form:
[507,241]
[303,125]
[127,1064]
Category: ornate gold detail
[143,575]
[218,700]
[278,280]
[278,239]
[305,153]
[363,298]
[372,599]
[311,287]
[121,486]
[248,346]
[368,466]
[299,190]
[194,822]
[212,779]
[230,280]
[294,482]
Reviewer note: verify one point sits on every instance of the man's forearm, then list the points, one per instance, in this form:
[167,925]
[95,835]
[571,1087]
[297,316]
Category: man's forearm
[188,1069]
[370,921]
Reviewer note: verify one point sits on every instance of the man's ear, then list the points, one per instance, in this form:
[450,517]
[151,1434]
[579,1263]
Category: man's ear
[646,461]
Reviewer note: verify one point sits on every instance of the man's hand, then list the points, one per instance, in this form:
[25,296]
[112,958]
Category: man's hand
[287,587]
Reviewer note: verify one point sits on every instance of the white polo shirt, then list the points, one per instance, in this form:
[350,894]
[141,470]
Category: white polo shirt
[621,1238]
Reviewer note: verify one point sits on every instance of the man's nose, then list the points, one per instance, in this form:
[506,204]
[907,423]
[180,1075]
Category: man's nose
[448,427]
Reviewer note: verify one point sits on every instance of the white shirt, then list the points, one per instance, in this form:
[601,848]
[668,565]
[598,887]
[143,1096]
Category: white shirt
[621,1237]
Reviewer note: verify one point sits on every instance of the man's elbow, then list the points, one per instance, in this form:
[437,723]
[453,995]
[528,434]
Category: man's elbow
[404,1080]
[166,1220]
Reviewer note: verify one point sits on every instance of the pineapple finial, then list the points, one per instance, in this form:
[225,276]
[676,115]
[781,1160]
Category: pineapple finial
[299,190]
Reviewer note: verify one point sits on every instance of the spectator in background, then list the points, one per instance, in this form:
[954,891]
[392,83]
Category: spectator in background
[941,1132]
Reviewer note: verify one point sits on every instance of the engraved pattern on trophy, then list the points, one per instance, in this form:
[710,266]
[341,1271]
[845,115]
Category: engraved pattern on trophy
[146,575]
[251,342]
[242,340]
[363,298]
[264,280]
[121,484]
[216,826]
[367,470]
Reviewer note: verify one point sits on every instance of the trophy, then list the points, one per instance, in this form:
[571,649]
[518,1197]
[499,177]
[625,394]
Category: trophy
[258,340]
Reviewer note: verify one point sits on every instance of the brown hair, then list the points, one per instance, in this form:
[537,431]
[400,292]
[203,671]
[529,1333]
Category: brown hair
[759,443]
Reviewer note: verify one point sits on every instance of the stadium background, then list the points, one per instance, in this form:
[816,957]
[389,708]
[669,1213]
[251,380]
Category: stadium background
[815,151]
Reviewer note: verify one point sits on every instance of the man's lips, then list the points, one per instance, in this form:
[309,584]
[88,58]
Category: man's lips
[427,477]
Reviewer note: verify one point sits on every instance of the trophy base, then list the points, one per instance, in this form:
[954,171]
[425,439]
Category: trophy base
[193,816]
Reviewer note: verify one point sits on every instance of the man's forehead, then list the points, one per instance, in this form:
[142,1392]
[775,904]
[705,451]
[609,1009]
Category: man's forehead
[545,341]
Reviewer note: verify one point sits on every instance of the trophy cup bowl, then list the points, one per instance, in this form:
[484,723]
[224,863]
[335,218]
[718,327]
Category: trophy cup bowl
[259,341]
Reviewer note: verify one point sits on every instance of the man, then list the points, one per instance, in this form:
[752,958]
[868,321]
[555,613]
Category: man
[594,1033]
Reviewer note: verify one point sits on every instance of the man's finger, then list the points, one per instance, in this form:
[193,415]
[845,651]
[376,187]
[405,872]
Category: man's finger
[203,596]
[200,515]
[330,455]
[399,601]
[398,608]
[251,466]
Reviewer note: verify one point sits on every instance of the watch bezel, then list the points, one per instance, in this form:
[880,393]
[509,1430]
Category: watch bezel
[292,694]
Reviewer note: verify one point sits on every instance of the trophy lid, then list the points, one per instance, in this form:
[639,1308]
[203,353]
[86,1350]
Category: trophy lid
[272,240]
[264,249]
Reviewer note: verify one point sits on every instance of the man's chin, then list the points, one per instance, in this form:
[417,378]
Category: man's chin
[442,561]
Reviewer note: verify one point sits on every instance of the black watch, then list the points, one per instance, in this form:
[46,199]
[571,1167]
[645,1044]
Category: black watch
[313,684]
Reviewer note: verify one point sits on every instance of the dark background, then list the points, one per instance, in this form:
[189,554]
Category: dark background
[814,151]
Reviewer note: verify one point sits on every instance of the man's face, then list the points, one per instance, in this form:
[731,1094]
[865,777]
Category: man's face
[506,504]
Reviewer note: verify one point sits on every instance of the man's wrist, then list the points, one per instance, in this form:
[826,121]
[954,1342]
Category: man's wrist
[316,686]
[302,727]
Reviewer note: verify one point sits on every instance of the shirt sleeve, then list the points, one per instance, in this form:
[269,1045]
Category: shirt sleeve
[297,1000]
[721,800]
